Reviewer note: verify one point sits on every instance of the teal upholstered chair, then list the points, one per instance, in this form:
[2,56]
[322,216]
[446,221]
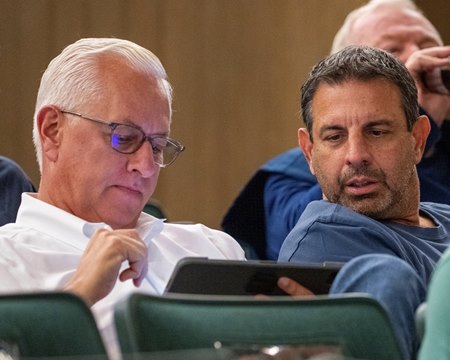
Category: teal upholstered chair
[53,324]
[355,324]
[155,208]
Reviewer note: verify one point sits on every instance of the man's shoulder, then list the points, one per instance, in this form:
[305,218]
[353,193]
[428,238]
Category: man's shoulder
[191,230]
[200,239]
[12,174]
[325,212]
[440,212]
[8,164]
[15,232]
[17,238]
[331,232]
[435,206]
[187,227]
[7,230]
[328,212]
[437,210]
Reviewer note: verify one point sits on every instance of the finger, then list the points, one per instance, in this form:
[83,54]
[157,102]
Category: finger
[425,62]
[138,264]
[130,247]
[138,281]
[128,274]
[436,51]
[293,288]
[136,271]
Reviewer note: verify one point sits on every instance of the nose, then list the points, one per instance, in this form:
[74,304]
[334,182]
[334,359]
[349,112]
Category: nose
[357,151]
[142,161]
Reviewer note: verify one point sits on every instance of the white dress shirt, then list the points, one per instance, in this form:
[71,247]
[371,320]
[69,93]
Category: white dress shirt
[42,250]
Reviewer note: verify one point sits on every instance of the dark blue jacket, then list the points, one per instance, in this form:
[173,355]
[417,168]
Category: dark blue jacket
[13,181]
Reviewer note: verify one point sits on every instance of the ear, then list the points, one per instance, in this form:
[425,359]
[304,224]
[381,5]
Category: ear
[49,122]
[306,145]
[420,131]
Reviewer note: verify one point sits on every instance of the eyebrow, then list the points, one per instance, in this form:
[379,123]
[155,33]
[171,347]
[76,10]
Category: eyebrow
[393,39]
[370,124]
[326,128]
[378,123]
[129,122]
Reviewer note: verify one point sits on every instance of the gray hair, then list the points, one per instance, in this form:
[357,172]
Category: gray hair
[346,36]
[360,63]
[71,78]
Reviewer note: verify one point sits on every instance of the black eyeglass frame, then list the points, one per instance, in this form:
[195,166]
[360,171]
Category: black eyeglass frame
[179,148]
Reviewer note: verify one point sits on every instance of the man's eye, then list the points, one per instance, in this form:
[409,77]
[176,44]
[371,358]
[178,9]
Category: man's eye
[333,138]
[126,139]
[157,149]
[118,139]
[378,133]
[158,145]
[393,49]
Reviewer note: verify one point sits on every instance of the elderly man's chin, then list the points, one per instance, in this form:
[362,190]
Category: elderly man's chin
[122,214]
[125,219]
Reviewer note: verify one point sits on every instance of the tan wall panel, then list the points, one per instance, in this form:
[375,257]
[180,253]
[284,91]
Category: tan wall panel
[438,12]
[236,90]
[236,67]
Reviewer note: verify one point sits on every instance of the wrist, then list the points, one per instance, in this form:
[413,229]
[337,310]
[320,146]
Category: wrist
[80,291]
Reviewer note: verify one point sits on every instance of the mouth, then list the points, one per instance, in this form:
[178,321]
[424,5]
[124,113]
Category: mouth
[129,189]
[361,186]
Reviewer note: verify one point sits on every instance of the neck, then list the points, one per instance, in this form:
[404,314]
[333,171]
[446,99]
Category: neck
[419,219]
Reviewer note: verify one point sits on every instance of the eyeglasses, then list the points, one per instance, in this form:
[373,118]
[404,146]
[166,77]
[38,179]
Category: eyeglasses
[127,139]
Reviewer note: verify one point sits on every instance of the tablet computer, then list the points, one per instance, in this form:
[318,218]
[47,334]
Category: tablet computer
[239,277]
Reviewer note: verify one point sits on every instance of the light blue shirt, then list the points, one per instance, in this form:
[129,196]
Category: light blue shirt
[331,232]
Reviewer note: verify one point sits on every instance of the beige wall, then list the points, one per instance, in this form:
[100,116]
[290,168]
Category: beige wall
[236,67]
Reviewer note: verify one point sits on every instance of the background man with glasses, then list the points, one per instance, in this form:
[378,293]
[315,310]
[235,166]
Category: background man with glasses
[101,128]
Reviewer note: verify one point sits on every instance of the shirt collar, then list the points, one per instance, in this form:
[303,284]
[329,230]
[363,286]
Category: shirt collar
[74,231]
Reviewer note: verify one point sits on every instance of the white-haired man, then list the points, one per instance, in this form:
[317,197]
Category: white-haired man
[101,133]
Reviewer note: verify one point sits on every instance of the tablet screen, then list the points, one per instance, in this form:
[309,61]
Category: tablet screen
[236,277]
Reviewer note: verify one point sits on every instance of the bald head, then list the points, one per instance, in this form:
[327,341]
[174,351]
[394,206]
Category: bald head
[396,26]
